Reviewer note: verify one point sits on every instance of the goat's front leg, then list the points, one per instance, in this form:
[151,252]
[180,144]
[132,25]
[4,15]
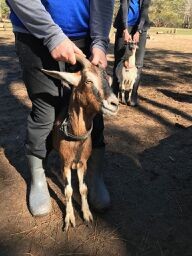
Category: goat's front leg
[70,217]
[131,91]
[84,191]
[122,92]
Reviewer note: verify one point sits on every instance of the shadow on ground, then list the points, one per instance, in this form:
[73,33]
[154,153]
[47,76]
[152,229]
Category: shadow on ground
[161,67]
[151,206]
[152,201]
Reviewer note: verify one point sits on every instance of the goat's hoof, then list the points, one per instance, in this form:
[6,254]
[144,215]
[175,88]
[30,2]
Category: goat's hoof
[66,227]
[123,102]
[88,217]
[70,218]
[89,224]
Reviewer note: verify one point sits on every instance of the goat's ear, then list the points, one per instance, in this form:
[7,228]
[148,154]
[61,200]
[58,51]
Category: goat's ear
[126,64]
[71,78]
[109,79]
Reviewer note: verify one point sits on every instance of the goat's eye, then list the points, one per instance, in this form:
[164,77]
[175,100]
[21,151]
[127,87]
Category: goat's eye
[88,82]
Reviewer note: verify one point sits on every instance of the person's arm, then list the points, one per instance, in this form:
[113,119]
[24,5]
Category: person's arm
[38,21]
[40,24]
[144,14]
[124,5]
[101,13]
[143,18]
[123,13]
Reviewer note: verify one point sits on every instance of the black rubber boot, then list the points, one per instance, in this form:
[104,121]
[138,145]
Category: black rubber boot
[133,97]
[39,198]
[98,194]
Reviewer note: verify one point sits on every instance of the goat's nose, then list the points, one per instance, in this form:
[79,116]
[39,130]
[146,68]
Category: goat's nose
[112,100]
[110,105]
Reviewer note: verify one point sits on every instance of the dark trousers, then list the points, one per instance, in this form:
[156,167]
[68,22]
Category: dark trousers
[47,95]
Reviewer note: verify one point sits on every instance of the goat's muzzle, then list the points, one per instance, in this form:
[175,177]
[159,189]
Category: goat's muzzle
[110,105]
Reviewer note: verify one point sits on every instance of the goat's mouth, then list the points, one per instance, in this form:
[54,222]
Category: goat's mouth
[110,106]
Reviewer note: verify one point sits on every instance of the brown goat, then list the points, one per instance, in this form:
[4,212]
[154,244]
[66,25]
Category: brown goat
[91,94]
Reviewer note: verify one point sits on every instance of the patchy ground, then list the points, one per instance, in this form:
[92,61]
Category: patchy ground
[148,167]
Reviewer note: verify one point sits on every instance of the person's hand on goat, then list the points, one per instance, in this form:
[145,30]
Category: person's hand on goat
[98,57]
[136,37]
[126,36]
[65,51]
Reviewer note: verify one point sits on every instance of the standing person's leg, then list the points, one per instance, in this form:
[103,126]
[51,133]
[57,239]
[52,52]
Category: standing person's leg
[140,53]
[99,197]
[44,95]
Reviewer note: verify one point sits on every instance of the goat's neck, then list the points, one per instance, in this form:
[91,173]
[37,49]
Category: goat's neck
[80,117]
[132,60]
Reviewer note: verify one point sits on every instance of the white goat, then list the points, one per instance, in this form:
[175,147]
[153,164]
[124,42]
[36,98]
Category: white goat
[126,73]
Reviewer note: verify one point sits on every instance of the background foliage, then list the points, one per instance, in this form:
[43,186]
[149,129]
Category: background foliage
[168,13]
[4,10]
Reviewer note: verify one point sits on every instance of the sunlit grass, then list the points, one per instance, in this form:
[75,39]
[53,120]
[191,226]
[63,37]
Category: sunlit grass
[178,31]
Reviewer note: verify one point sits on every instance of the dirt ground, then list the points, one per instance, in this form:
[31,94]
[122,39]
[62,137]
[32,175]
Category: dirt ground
[148,167]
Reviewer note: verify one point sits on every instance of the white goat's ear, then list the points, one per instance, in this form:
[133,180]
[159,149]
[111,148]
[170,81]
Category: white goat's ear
[71,78]
[109,78]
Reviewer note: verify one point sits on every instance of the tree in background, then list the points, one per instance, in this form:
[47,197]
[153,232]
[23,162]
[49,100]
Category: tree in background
[170,13]
[187,21]
[4,10]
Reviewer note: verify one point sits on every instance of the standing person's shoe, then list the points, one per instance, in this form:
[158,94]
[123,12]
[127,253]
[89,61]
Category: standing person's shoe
[98,194]
[133,98]
[39,198]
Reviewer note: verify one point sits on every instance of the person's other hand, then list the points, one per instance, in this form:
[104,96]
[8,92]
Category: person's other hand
[126,36]
[136,37]
[98,57]
[65,51]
